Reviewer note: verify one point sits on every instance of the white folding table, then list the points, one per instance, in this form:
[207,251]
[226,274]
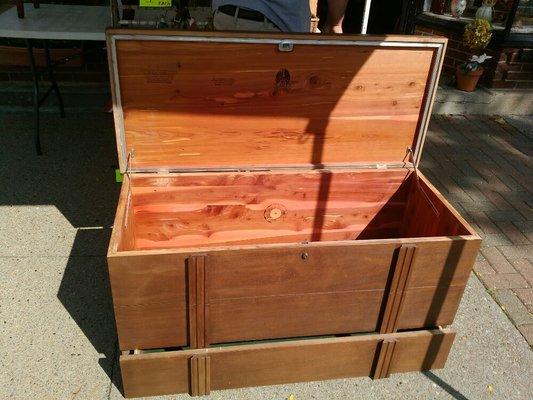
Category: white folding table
[53,22]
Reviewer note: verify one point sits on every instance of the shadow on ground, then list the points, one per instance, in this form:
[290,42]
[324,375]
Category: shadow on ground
[76,175]
[86,295]
[449,389]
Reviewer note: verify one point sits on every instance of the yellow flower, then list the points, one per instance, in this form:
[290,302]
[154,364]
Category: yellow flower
[477,34]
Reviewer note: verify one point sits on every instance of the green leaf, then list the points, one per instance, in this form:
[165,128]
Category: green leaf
[119,177]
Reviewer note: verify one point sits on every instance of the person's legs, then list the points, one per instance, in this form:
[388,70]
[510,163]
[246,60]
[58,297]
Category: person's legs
[224,22]
[269,27]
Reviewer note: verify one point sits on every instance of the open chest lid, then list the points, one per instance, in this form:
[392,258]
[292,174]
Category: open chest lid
[197,101]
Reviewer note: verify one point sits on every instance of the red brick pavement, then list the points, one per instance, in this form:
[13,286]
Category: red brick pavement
[484,166]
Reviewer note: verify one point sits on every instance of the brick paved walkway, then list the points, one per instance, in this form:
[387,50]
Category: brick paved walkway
[484,167]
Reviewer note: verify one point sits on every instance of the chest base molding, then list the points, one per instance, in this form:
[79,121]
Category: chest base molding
[199,371]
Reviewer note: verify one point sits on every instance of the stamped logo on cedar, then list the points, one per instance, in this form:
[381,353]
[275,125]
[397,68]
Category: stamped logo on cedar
[163,74]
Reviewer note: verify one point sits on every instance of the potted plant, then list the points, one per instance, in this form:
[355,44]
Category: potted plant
[468,73]
[476,38]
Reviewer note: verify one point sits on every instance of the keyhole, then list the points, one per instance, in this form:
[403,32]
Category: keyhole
[305,255]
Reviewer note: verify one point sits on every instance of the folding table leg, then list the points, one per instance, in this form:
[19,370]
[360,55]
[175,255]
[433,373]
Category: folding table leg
[53,81]
[36,96]
[20,8]
[37,100]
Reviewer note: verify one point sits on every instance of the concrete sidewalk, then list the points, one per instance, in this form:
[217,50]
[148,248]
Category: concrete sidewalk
[57,338]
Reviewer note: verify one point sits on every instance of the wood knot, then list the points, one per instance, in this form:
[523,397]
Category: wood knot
[274,212]
[314,80]
[283,78]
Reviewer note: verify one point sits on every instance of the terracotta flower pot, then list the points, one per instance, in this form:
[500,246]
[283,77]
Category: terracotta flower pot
[468,82]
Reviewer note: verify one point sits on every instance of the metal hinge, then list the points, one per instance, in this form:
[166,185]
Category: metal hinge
[381,166]
[411,156]
[131,155]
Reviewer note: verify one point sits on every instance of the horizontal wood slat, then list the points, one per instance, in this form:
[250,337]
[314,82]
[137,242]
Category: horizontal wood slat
[167,373]
[430,307]
[150,300]
[283,362]
[303,270]
[292,316]
[444,262]
[146,326]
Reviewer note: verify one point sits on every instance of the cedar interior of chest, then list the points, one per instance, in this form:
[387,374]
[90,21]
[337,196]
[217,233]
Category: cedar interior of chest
[194,210]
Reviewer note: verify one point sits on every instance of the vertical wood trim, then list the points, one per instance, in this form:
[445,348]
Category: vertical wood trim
[191,301]
[404,283]
[385,357]
[194,376]
[391,346]
[207,378]
[399,284]
[200,375]
[196,297]
[200,301]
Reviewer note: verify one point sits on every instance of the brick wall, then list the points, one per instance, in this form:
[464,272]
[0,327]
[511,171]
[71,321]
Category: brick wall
[455,54]
[510,68]
[514,69]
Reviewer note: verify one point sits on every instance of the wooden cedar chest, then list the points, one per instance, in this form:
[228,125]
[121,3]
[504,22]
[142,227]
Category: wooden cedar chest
[271,192]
